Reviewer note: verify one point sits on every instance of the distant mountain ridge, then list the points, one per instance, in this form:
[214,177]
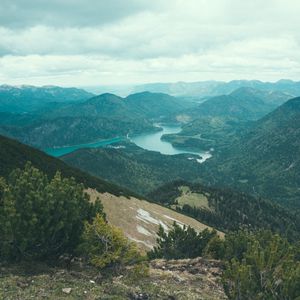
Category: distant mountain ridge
[100,117]
[30,98]
[244,103]
[215,88]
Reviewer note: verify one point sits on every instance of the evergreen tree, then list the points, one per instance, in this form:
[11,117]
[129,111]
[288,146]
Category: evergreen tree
[41,218]
[106,246]
[181,242]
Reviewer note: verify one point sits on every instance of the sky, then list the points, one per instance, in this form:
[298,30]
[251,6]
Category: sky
[116,42]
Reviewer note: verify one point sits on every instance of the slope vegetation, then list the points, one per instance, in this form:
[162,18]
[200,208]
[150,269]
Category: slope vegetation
[265,159]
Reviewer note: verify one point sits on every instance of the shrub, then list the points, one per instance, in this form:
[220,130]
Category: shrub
[266,268]
[181,242]
[41,218]
[105,246]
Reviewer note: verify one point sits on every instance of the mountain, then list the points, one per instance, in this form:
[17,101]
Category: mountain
[14,155]
[156,105]
[207,133]
[243,103]
[100,117]
[202,89]
[64,131]
[216,122]
[141,105]
[227,209]
[140,219]
[31,98]
[265,159]
[137,169]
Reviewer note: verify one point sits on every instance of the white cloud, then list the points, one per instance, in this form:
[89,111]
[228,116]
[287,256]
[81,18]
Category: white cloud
[166,41]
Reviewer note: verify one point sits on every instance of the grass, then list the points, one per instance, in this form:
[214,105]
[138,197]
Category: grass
[192,199]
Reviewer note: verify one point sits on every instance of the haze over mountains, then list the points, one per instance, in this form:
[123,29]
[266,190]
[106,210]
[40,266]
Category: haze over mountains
[213,88]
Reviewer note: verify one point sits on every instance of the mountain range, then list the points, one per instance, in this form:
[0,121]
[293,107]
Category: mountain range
[202,89]
[24,99]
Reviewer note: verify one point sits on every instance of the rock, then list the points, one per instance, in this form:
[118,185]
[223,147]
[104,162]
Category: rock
[67,290]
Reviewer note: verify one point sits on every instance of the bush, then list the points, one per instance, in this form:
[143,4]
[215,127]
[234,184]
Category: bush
[105,246]
[181,242]
[41,218]
[260,265]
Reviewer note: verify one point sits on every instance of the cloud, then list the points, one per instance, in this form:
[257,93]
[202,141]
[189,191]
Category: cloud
[113,42]
[68,13]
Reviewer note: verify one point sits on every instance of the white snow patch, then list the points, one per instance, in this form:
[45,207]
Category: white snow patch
[143,230]
[178,222]
[145,216]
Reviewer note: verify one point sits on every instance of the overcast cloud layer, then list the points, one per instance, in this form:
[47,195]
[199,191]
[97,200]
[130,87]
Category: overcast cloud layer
[96,42]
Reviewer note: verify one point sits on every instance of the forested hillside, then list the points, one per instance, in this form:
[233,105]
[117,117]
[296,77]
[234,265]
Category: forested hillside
[265,159]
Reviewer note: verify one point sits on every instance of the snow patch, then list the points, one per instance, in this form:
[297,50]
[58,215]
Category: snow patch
[143,230]
[145,216]
[180,224]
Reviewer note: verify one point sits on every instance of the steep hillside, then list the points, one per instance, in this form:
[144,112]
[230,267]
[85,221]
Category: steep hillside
[31,98]
[265,160]
[226,209]
[218,121]
[14,155]
[208,132]
[133,167]
[68,130]
[140,219]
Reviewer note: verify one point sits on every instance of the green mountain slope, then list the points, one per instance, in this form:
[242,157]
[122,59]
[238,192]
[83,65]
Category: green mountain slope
[219,120]
[243,104]
[265,159]
[133,167]
[101,117]
[14,155]
[226,209]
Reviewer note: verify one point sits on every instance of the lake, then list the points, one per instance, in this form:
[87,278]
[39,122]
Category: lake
[60,151]
[153,142]
[148,141]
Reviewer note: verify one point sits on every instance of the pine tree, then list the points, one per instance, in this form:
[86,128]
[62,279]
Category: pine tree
[41,218]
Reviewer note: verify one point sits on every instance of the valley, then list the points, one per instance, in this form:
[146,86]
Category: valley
[172,178]
[149,150]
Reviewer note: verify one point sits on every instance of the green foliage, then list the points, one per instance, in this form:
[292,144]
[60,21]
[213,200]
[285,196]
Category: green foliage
[106,246]
[230,210]
[263,160]
[181,242]
[15,155]
[41,218]
[260,265]
[139,170]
